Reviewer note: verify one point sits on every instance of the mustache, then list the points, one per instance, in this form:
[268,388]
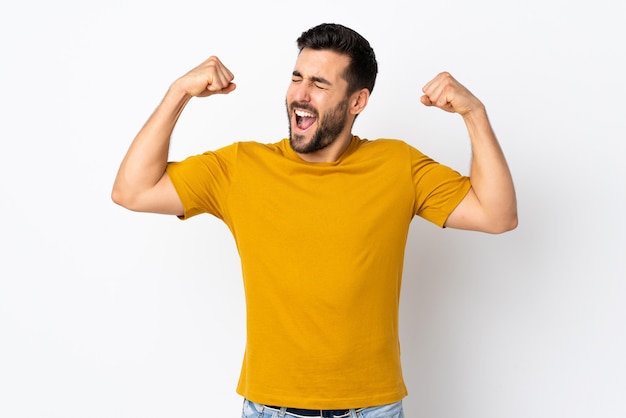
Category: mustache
[302,106]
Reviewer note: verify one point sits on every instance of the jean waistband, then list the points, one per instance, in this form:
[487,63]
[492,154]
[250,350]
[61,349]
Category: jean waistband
[320,413]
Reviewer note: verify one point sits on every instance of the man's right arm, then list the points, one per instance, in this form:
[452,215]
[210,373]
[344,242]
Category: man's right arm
[142,183]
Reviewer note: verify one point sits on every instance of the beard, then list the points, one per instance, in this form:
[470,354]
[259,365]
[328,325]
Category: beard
[331,125]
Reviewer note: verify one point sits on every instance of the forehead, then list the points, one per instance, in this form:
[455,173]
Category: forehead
[327,64]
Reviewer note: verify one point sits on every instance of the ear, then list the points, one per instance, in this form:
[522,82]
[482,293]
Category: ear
[359,101]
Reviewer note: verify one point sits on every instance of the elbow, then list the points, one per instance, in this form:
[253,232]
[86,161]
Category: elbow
[117,196]
[121,198]
[503,225]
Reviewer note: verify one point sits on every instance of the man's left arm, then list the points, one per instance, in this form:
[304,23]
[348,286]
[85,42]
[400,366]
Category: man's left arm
[490,205]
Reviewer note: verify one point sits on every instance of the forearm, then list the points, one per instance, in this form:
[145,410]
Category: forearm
[146,159]
[490,175]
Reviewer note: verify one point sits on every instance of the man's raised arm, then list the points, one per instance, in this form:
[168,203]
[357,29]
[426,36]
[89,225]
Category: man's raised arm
[142,183]
[490,205]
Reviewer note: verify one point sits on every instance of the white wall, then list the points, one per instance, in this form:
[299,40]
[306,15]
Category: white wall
[109,313]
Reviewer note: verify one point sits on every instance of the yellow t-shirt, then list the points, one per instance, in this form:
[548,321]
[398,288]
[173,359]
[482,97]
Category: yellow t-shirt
[322,251]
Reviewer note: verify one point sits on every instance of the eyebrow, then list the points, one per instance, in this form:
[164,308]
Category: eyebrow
[313,79]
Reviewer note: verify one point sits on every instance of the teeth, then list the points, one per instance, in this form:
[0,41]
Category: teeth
[303,114]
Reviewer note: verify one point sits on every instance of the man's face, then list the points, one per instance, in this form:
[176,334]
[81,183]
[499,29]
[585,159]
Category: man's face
[317,103]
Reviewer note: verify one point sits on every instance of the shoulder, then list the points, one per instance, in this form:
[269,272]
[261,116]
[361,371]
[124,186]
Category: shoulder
[256,146]
[388,147]
[381,142]
[384,143]
[242,148]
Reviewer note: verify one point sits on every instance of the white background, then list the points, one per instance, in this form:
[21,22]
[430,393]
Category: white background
[110,313]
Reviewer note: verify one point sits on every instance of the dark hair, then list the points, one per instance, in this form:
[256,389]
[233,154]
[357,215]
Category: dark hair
[362,70]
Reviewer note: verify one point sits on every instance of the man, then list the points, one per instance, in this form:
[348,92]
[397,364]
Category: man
[321,220]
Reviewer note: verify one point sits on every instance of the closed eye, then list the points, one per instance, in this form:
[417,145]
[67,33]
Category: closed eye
[319,82]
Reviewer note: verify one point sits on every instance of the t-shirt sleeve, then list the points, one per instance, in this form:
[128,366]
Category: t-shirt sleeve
[203,181]
[438,188]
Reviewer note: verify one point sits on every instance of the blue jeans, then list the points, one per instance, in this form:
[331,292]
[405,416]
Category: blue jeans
[255,410]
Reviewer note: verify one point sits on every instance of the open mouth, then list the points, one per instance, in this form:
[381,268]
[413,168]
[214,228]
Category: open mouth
[304,119]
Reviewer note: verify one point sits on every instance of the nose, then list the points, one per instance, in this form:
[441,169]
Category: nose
[300,92]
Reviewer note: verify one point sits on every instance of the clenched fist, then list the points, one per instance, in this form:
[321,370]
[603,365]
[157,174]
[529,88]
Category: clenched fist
[210,77]
[446,93]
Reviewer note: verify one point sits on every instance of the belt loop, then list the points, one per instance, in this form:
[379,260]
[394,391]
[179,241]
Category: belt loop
[282,412]
[353,413]
[260,408]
